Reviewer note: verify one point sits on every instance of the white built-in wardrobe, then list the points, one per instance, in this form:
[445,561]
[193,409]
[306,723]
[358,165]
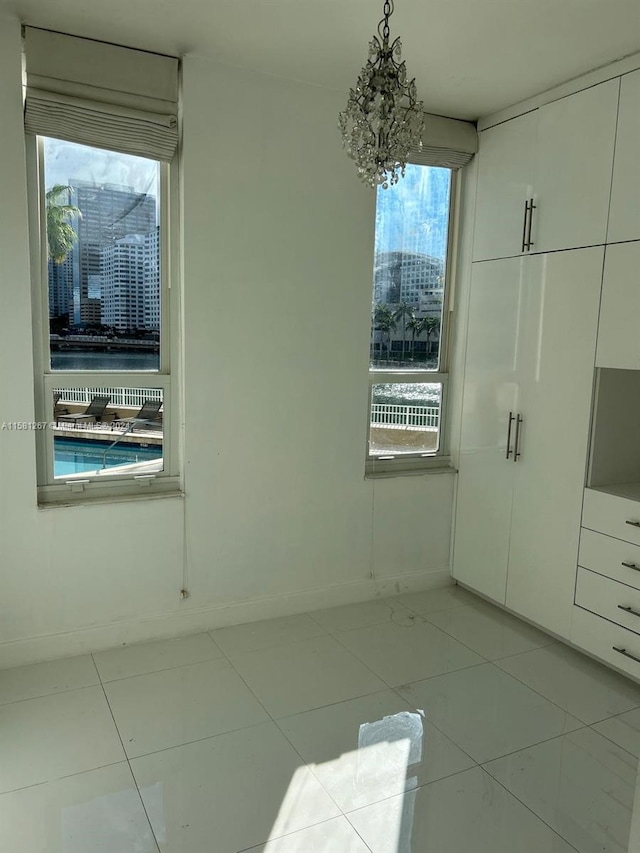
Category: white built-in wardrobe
[552,362]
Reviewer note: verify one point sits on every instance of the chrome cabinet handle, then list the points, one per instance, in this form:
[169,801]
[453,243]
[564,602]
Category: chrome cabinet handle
[629,610]
[519,421]
[532,207]
[524,225]
[511,420]
[631,566]
[625,653]
[633,523]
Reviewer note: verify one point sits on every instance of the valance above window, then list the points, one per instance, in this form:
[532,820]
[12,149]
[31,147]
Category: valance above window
[101,94]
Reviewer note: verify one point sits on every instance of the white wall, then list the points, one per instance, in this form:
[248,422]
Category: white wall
[278,518]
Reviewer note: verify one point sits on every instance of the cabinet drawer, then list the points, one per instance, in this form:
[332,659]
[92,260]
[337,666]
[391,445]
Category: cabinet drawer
[613,515]
[610,557]
[601,639]
[608,598]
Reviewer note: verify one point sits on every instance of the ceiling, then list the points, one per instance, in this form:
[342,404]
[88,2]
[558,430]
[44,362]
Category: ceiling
[469,57]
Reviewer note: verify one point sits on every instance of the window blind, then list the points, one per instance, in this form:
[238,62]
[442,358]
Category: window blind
[446,142]
[101,94]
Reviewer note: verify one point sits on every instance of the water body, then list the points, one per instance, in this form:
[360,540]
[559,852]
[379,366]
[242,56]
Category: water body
[112,361]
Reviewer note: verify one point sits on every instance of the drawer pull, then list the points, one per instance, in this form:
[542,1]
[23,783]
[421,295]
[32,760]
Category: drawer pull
[633,523]
[631,566]
[625,653]
[629,610]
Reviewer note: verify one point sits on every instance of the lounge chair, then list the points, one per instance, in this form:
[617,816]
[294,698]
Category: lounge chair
[57,408]
[149,414]
[95,411]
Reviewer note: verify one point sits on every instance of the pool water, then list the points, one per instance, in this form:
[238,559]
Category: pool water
[73,456]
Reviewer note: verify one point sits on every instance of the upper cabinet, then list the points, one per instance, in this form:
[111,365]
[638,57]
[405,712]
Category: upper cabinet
[544,178]
[505,185]
[624,218]
[618,338]
[574,162]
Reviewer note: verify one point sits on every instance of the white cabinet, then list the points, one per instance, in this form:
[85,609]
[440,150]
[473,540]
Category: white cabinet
[559,335]
[485,479]
[574,164]
[544,178]
[505,185]
[619,328]
[624,217]
[519,505]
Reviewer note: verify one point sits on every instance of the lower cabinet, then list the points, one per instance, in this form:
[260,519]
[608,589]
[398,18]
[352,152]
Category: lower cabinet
[520,489]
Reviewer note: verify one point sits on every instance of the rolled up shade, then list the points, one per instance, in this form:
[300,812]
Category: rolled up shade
[101,94]
[446,142]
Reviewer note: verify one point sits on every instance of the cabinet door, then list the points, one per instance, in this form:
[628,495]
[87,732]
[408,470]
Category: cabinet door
[574,164]
[485,479]
[619,329]
[505,168]
[624,216]
[559,336]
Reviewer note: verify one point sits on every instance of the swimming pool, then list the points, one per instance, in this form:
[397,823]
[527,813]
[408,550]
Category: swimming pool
[73,456]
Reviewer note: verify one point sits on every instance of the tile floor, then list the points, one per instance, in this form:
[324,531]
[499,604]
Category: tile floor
[427,723]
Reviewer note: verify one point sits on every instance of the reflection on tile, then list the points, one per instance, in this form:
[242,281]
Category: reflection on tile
[99,811]
[400,654]
[467,813]
[486,712]
[295,678]
[40,679]
[371,748]
[270,632]
[585,688]
[53,736]
[179,705]
[229,793]
[437,599]
[581,784]
[362,615]
[141,658]
[332,836]
[623,730]
[489,631]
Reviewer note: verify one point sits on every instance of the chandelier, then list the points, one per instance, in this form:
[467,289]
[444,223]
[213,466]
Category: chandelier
[383,119]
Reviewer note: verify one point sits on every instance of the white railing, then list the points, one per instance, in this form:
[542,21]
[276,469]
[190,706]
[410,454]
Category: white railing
[132,398]
[405,417]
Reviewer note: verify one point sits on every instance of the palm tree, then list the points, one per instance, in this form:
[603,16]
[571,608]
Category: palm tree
[403,311]
[61,236]
[431,325]
[416,324]
[384,321]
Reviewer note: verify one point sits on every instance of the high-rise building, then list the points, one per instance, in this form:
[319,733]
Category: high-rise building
[109,213]
[130,282]
[410,277]
[61,287]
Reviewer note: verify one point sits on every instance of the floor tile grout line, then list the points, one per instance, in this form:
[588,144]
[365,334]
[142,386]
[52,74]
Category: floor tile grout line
[295,831]
[614,742]
[133,775]
[58,692]
[529,809]
[62,778]
[164,669]
[531,746]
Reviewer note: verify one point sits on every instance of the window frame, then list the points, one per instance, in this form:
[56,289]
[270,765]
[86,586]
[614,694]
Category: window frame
[420,462]
[84,489]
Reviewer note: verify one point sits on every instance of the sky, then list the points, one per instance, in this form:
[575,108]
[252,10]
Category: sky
[65,161]
[412,215]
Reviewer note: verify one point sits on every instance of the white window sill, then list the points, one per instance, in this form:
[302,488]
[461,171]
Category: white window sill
[408,467]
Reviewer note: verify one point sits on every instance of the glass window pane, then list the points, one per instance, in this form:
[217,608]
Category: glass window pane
[412,224]
[103,258]
[405,418]
[99,431]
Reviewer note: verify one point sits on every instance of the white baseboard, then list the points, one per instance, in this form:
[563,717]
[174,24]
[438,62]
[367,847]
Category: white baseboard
[192,620]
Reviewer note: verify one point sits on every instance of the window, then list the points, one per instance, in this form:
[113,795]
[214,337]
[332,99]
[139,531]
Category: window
[106,412]
[409,321]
